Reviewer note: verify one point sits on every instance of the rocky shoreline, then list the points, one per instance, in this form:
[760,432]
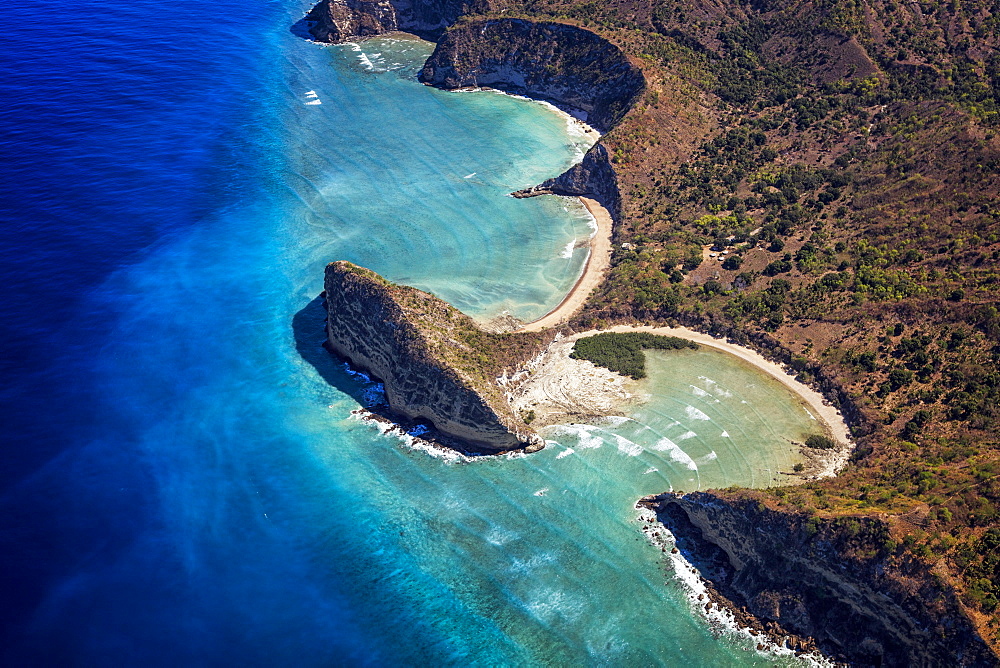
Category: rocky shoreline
[717,608]
[790,577]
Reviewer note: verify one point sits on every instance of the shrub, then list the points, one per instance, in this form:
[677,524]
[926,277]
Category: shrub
[777,267]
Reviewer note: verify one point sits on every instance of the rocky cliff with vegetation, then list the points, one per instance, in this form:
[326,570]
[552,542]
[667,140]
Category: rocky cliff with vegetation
[344,20]
[562,63]
[436,364]
[842,160]
[833,582]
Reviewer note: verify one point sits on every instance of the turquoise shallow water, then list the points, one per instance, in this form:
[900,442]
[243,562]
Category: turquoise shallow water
[220,504]
[419,192]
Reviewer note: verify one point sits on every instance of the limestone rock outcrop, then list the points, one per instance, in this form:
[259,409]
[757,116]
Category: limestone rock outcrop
[436,364]
[343,20]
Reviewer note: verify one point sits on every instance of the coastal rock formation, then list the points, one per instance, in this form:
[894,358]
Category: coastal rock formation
[593,177]
[567,65]
[342,20]
[806,576]
[436,363]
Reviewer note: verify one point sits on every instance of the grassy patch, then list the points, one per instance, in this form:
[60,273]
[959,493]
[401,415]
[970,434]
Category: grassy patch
[622,353]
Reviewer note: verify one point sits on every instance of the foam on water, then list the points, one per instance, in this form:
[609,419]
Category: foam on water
[627,447]
[695,414]
[675,453]
[584,434]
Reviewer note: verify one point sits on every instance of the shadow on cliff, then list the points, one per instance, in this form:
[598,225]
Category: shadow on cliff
[309,329]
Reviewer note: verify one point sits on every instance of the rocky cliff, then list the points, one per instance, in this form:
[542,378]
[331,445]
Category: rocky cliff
[436,363]
[593,177]
[567,65]
[343,20]
[830,580]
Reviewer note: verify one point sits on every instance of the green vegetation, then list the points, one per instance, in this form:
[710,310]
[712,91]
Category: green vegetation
[821,442]
[622,352]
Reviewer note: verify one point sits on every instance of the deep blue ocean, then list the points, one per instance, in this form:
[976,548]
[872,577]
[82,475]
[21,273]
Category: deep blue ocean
[183,480]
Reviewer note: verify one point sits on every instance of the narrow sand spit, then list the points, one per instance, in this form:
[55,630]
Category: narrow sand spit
[597,264]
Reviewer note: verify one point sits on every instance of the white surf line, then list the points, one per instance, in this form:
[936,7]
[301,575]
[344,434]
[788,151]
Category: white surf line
[693,584]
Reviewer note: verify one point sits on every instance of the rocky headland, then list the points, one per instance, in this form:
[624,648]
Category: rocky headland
[436,364]
[818,582]
[343,20]
[564,64]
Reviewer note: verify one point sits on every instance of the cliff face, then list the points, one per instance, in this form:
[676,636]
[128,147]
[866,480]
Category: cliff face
[593,177]
[798,573]
[564,64]
[568,65]
[342,20]
[429,355]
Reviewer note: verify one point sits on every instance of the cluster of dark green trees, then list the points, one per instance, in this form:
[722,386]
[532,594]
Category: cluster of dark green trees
[622,352]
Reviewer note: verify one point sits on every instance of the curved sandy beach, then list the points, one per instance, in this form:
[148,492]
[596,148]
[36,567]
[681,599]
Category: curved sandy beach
[597,264]
[560,388]
[816,402]
[831,461]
